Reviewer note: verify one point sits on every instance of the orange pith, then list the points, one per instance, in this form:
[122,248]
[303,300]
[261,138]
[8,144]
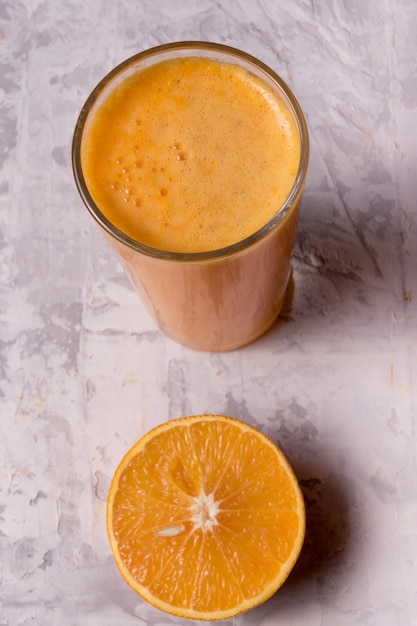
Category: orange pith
[205,517]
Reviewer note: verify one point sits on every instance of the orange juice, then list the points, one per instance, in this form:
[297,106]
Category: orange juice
[189,161]
[191,155]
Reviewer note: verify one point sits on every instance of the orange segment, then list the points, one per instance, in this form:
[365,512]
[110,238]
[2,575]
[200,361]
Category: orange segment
[205,517]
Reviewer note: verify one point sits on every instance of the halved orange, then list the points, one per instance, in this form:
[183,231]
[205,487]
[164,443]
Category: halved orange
[205,517]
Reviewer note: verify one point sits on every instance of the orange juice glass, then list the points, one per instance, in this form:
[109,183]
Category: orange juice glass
[192,157]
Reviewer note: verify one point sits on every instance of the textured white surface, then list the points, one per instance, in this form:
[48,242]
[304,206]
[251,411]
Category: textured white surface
[84,372]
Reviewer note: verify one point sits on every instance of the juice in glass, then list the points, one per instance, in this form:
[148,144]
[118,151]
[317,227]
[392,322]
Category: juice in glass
[192,157]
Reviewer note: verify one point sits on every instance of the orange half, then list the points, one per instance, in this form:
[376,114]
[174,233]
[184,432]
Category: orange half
[205,517]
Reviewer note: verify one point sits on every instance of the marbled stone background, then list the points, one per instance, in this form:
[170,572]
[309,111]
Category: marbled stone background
[84,371]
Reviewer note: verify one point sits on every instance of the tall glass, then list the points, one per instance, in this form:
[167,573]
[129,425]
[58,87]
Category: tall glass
[220,299]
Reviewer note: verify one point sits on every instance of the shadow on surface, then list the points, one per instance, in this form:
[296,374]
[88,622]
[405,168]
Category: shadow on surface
[338,274]
[329,506]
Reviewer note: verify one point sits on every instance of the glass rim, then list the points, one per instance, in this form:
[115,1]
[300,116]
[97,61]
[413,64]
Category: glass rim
[198,46]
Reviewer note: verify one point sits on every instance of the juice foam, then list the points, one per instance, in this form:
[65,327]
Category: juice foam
[190,154]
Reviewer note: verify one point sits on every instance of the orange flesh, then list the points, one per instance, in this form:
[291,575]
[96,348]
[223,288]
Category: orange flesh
[190,155]
[205,517]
